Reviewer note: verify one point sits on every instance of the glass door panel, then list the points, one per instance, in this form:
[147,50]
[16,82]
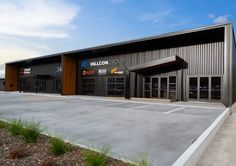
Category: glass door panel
[204,87]
[216,88]
[155,87]
[163,87]
[193,88]
[147,87]
[172,87]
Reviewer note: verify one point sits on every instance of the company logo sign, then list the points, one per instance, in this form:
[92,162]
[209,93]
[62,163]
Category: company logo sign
[102,71]
[58,69]
[85,63]
[99,63]
[88,72]
[116,71]
[25,71]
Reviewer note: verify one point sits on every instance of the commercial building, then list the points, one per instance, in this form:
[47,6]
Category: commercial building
[196,64]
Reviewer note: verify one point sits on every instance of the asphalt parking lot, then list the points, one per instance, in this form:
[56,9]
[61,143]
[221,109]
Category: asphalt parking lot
[161,131]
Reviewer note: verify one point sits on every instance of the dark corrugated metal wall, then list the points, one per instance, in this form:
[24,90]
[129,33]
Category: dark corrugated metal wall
[202,59]
[46,69]
[197,57]
[50,71]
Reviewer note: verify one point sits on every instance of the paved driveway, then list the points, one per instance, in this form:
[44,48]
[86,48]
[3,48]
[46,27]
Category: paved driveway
[160,131]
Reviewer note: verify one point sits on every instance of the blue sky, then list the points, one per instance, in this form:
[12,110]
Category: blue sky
[30,28]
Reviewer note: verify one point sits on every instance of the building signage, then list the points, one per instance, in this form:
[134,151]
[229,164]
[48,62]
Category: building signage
[85,63]
[99,63]
[102,71]
[88,72]
[115,70]
[58,69]
[111,62]
[25,71]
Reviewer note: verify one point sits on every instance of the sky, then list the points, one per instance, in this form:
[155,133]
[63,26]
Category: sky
[31,28]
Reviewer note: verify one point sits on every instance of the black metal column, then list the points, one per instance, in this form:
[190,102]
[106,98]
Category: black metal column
[127,84]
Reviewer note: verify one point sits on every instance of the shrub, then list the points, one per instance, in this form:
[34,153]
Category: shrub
[48,162]
[58,146]
[19,152]
[16,127]
[31,131]
[93,158]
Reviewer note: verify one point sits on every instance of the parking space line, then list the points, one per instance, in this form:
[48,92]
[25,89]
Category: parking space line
[138,107]
[174,110]
[153,103]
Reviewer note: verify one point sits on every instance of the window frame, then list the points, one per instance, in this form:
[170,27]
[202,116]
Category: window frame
[209,86]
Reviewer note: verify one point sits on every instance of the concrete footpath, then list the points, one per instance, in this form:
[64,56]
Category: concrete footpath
[222,150]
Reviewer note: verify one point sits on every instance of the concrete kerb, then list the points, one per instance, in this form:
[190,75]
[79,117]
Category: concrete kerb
[191,156]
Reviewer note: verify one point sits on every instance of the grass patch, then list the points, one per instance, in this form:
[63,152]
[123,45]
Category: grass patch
[31,131]
[142,161]
[16,127]
[2,125]
[58,146]
[93,158]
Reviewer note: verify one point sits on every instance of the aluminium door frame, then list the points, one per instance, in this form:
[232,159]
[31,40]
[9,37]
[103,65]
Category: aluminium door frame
[159,86]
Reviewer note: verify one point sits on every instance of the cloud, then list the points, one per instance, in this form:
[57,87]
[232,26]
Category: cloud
[36,18]
[218,19]
[221,19]
[155,17]
[211,16]
[13,53]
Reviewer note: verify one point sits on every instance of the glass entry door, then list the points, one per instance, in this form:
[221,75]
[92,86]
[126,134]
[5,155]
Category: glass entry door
[155,87]
[204,88]
[160,87]
[164,88]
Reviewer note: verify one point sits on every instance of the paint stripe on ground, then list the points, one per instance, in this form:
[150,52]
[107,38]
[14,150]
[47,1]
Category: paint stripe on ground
[174,110]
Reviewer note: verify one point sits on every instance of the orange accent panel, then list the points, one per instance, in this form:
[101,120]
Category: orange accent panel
[11,77]
[69,75]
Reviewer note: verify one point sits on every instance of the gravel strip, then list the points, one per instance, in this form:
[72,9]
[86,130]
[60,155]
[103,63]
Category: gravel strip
[38,154]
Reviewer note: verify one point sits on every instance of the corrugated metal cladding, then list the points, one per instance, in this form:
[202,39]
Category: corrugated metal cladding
[201,59]
[47,76]
[52,69]
[2,84]
[196,56]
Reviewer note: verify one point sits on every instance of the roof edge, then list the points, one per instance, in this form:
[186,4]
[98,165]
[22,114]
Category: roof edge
[181,32]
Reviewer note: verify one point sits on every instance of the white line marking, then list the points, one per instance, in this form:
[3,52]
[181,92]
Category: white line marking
[153,103]
[138,107]
[174,110]
[38,94]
